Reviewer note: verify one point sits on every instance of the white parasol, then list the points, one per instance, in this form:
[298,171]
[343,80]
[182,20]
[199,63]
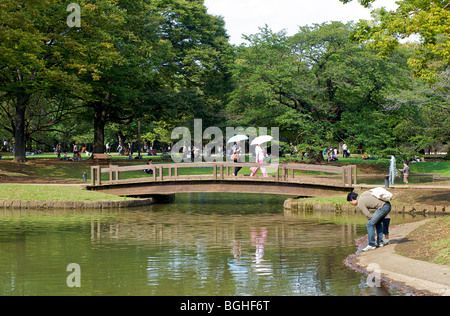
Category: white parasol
[237,138]
[261,139]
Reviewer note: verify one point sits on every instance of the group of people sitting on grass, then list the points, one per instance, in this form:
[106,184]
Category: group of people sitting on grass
[76,156]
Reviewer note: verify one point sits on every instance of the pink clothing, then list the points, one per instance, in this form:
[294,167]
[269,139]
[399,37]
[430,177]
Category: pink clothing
[255,169]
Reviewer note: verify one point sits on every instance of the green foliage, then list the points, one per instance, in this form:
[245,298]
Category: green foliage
[427,19]
[166,62]
[318,86]
[129,59]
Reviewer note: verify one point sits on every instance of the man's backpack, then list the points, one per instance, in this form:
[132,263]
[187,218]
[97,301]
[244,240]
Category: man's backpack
[381,194]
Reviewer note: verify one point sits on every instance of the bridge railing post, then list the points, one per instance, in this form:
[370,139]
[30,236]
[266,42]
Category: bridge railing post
[113,173]
[111,178]
[99,175]
[117,173]
[92,175]
[349,175]
[96,172]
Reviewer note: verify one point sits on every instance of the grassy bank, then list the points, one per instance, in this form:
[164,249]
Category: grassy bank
[26,192]
[430,242]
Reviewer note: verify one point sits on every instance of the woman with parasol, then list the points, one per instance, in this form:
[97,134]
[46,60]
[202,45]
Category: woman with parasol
[236,150]
[260,154]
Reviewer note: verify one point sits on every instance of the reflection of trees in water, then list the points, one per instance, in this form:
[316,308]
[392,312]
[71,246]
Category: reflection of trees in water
[179,229]
[244,254]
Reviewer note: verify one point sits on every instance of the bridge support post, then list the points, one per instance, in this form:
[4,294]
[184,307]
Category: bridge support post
[99,175]
[92,175]
[96,171]
[349,175]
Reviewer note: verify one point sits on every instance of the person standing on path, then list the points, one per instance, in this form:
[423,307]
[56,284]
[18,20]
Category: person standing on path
[367,201]
[405,171]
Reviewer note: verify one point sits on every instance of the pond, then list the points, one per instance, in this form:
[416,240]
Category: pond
[203,244]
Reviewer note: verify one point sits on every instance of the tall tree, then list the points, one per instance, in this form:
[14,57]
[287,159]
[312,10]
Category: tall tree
[127,28]
[427,19]
[40,54]
[174,66]
[305,84]
[198,68]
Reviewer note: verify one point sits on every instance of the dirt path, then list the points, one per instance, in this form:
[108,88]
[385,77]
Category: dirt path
[420,275]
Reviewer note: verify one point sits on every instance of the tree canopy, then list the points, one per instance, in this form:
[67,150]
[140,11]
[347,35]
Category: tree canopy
[429,20]
[164,63]
[320,87]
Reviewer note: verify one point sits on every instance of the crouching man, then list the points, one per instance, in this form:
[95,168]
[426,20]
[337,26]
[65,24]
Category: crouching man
[368,201]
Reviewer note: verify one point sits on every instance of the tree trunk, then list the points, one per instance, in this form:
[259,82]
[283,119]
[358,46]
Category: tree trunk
[99,127]
[19,132]
[316,157]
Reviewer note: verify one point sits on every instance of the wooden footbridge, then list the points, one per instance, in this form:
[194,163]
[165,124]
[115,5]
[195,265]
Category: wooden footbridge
[166,179]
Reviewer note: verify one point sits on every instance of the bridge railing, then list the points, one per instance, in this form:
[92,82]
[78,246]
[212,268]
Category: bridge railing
[220,171]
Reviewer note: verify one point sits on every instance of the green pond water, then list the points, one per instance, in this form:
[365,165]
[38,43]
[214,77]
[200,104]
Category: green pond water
[203,244]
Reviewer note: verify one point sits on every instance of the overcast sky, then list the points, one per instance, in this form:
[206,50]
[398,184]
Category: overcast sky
[246,16]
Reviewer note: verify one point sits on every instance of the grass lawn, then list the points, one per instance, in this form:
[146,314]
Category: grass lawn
[441,167]
[326,200]
[47,166]
[430,242]
[30,192]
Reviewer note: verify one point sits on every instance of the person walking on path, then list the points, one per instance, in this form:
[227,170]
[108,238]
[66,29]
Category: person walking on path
[405,171]
[367,201]
[259,159]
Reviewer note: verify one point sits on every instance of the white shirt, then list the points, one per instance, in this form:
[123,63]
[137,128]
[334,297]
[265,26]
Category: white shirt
[259,153]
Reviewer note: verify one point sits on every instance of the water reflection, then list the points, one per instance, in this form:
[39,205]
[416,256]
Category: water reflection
[204,244]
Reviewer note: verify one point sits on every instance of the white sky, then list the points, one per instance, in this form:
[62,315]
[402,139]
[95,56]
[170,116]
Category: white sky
[246,16]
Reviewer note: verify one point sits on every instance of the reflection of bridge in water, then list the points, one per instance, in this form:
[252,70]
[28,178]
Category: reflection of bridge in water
[165,179]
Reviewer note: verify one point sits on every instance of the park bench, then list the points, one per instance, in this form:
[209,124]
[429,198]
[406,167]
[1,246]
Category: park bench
[101,159]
